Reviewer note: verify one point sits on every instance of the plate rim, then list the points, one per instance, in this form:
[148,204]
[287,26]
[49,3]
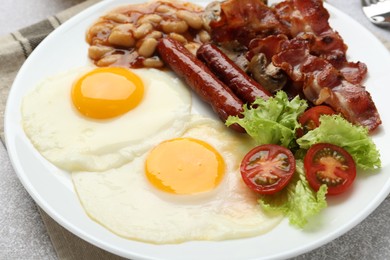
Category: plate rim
[112,248]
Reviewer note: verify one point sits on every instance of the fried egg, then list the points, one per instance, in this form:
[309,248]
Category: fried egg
[184,188]
[95,119]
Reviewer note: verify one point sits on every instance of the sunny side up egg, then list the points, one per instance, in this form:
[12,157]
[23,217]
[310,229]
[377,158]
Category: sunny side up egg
[174,195]
[79,125]
[142,165]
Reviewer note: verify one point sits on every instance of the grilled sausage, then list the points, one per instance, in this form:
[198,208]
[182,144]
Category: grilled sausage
[223,101]
[246,88]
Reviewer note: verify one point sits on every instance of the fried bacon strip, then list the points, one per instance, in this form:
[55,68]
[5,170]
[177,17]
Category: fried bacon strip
[323,83]
[296,36]
[242,21]
[308,19]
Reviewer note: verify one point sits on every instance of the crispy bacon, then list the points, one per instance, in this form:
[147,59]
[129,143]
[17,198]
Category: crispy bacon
[323,83]
[297,37]
[308,19]
[269,46]
[244,20]
[354,72]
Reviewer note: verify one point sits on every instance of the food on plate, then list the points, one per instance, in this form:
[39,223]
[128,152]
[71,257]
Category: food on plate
[221,98]
[331,165]
[246,88]
[297,201]
[238,22]
[147,168]
[323,84]
[288,46]
[310,119]
[128,35]
[271,121]
[275,121]
[355,139]
[184,166]
[73,141]
[309,20]
[107,92]
[295,36]
[268,168]
[130,204]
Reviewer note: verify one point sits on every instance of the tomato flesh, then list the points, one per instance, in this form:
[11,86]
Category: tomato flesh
[330,165]
[310,119]
[267,169]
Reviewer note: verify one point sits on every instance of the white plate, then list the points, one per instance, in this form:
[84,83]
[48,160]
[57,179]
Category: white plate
[52,189]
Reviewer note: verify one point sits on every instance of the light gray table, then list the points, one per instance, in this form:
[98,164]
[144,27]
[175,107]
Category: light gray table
[22,233]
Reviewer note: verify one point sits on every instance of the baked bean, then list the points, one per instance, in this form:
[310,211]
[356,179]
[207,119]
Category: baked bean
[174,26]
[192,19]
[118,18]
[178,37]
[154,34]
[204,36]
[142,30]
[124,35]
[147,47]
[127,27]
[165,9]
[124,39]
[97,52]
[108,60]
[100,28]
[153,62]
[192,47]
[150,18]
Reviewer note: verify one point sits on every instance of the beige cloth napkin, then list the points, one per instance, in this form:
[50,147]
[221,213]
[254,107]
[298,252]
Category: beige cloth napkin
[14,50]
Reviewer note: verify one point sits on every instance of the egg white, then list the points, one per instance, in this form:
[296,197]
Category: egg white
[125,202]
[76,143]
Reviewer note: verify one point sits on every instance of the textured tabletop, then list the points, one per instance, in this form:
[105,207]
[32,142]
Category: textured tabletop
[23,234]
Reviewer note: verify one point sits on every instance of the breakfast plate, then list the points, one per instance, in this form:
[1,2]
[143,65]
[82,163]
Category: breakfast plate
[53,190]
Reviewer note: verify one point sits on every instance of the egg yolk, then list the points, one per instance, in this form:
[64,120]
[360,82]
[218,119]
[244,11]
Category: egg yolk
[184,166]
[107,92]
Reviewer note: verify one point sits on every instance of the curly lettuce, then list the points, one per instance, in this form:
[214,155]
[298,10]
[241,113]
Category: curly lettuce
[272,121]
[355,139]
[298,201]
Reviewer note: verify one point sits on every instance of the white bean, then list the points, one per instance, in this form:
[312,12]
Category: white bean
[154,34]
[192,19]
[178,37]
[174,26]
[108,60]
[118,18]
[204,36]
[192,47]
[150,18]
[127,27]
[124,39]
[97,52]
[165,9]
[99,28]
[142,30]
[153,62]
[147,47]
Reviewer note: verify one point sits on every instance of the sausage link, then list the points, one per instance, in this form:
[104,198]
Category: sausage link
[200,79]
[246,88]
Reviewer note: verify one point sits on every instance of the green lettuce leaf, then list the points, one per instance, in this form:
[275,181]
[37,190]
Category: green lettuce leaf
[297,201]
[271,121]
[355,139]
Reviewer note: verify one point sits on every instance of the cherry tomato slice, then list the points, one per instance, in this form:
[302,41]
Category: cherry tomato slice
[267,169]
[331,165]
[310,119]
